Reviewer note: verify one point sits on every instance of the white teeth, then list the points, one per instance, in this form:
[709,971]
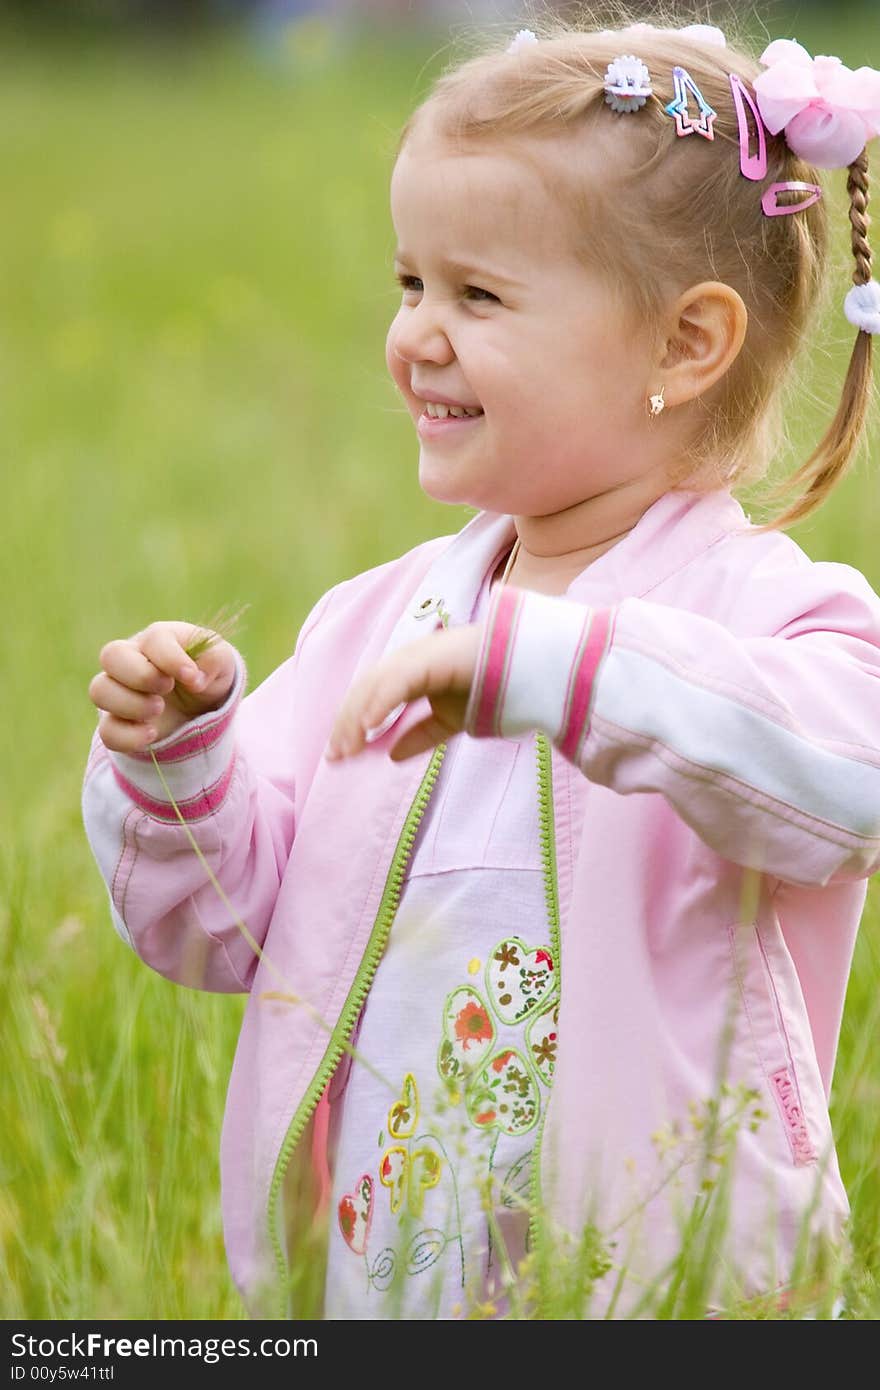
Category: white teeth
[440,412]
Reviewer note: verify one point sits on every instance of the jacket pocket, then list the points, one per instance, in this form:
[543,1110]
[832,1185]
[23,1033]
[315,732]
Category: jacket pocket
[769,1023]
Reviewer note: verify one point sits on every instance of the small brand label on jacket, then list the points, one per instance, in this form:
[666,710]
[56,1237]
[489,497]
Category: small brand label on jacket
[789,1104]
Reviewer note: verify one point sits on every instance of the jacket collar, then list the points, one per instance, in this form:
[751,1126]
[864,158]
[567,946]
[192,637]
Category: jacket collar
[450,586]
[672,532]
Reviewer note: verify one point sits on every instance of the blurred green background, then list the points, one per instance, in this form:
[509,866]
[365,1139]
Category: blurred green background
[196,283]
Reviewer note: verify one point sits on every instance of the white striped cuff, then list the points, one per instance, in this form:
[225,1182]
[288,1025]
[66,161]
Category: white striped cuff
[196,762]
[537,666]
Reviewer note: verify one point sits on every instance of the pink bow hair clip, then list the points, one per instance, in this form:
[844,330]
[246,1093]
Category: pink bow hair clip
[828,112]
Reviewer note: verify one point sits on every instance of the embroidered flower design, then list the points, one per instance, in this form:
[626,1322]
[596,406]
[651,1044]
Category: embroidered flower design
[355,1213]
[404,1113]
[506,953]
[542,1036]
[545,1050]
[504,1095]
[405,1171]
[501,1089]
[399,1116]
[347,1217]
[473,1024]
[468,1032]
[519,978]
[408,1174]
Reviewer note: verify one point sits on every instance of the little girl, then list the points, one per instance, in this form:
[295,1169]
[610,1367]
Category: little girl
[560,825]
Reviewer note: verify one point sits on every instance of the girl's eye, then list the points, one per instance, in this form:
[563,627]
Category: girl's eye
[414,284]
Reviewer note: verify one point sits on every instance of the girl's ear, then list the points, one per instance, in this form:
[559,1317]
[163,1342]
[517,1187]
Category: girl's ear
[707,328]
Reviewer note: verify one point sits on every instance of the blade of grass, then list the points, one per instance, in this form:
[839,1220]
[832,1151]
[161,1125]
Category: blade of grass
[287,994]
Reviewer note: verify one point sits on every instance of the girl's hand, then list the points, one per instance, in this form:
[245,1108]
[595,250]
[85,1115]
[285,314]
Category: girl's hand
[149,687]
[440,666]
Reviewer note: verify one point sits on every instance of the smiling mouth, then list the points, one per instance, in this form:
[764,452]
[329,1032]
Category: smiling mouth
[434,410]
[435,426]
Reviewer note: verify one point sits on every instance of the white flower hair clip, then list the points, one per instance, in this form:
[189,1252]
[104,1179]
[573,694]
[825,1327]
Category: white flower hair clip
[524,38]
[703,33]
[627,83]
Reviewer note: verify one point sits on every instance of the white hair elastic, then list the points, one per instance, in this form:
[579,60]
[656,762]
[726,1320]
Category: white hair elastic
[862,306]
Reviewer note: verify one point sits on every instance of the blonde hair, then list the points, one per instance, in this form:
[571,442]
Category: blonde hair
[676,212]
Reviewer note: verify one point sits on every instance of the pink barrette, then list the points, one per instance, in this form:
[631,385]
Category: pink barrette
[828,112]
[754,166]
[770,197]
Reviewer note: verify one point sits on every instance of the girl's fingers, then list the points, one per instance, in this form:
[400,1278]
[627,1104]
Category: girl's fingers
[152,660]
[440,664]
[347,734]
[421,669]
[119,700]
[403,677]
[123,736]
[146,679]
[163,644]
[426,667]
[125,662]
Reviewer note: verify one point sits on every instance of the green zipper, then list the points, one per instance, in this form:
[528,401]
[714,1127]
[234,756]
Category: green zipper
[352,1006]
[551,893]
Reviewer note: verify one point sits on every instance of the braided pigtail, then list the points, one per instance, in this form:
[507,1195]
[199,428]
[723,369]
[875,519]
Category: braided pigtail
[833,455]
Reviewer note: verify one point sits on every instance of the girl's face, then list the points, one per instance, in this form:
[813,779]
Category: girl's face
[498,314]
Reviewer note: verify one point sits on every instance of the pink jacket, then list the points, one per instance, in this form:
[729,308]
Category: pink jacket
[710,700]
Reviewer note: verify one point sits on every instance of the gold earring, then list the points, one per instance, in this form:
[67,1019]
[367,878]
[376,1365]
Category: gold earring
[657,402]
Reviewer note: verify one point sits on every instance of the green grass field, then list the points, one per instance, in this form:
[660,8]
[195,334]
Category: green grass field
[195,288]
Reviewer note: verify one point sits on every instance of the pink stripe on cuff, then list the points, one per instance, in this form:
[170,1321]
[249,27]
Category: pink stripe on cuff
[494,661]
[196,808]
[574,731]
[191,741]
[498,717]
[573,670]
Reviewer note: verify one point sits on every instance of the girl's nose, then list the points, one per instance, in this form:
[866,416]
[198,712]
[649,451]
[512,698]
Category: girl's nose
[418,335]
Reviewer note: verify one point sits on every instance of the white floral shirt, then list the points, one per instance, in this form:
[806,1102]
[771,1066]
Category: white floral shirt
[460,1031]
